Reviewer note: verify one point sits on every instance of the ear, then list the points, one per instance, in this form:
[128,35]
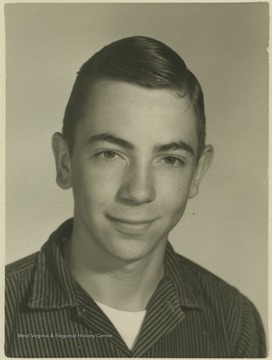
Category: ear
[62,160]
[202,166]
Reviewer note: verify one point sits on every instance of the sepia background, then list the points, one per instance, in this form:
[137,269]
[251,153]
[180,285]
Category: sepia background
[224,228]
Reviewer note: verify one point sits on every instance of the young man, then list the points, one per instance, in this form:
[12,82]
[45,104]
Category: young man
[107,283]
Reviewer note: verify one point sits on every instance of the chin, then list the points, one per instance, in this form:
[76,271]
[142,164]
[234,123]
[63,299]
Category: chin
[128,254]
[132,250]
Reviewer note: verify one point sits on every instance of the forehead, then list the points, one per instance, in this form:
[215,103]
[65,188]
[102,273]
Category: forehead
[133,112]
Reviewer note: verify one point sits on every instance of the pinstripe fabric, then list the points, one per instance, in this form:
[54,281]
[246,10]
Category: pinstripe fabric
[192,313]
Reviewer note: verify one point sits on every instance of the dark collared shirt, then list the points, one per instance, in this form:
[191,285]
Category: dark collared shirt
[192,313]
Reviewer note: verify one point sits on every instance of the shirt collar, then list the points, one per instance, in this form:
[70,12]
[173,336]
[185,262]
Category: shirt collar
[183,278]
[53,286]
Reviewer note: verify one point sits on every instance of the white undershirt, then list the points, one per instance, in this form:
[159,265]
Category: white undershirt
[128,323]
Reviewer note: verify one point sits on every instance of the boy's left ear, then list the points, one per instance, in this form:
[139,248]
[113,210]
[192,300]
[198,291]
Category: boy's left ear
[202,166]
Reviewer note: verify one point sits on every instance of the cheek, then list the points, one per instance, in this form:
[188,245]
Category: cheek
[176,203]
[173,196]
[93,186]
[176,187]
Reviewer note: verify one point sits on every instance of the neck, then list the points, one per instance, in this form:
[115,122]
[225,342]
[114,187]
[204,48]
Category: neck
[122,284]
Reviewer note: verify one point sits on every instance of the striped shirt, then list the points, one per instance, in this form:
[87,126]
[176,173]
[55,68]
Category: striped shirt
[192,313]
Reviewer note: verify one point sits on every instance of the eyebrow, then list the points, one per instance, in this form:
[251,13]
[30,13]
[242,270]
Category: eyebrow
[175,145]
[111,139]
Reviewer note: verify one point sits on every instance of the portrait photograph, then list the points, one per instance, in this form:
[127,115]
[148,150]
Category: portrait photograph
[136,179]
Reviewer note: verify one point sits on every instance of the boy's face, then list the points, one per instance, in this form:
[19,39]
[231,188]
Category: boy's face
[133,167]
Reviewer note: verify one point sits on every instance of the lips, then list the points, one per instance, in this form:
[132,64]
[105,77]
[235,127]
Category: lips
[131,222]
[131,226]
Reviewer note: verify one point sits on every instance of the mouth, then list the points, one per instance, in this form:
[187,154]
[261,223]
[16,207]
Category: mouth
[130,222]
[129,226]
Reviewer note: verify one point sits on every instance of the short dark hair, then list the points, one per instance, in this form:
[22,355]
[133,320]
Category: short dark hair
[138,60]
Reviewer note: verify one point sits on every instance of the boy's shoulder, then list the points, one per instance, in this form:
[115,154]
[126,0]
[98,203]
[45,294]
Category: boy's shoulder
[21,267]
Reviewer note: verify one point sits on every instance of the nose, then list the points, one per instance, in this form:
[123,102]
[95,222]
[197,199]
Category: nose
[137,185]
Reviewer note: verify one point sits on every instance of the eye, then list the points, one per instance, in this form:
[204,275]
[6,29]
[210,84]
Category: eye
[107,154]
[173,161]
